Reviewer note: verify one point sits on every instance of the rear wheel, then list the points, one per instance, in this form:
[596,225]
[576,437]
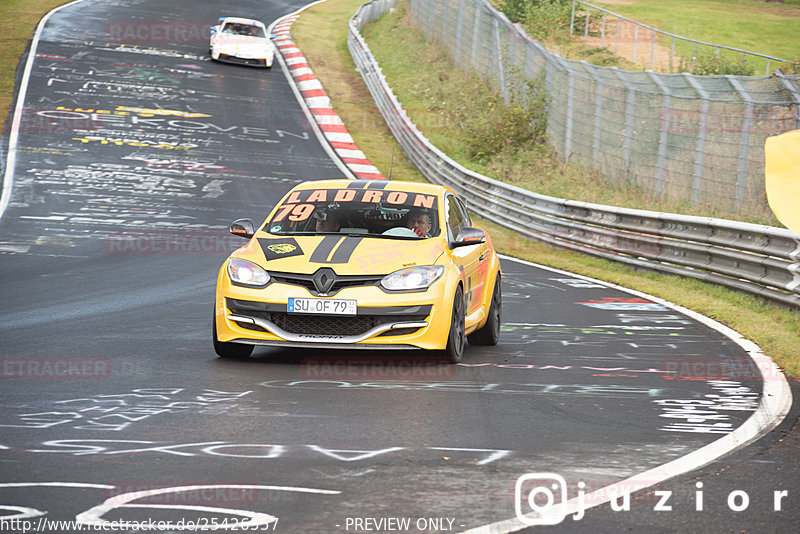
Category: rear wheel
[456,340]
[490,332]
[227,349]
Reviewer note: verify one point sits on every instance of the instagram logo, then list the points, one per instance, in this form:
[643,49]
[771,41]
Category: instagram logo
[540,498]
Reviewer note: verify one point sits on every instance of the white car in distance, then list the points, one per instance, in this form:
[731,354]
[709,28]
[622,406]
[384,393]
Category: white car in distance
[242,41]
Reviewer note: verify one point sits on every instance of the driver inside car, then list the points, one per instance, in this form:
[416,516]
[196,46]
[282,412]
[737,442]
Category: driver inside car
[328,221]
[420,222]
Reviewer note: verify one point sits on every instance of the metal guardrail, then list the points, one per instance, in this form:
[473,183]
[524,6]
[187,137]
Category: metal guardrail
[762,260]
[653,32]
[681,137]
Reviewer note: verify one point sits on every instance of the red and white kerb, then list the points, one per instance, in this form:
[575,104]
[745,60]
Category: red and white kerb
[320,105]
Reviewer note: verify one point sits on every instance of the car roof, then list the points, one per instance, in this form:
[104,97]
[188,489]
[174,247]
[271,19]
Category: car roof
[389,185]
[241,20]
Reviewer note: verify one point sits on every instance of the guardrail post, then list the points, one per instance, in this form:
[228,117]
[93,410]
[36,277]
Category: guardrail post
[747,125]
[672,56]
[429,20]
[572,18]
[603,32]
[794,91]
[570,107]
[653,49]
[475,31]
[629,112]
[586,29]
[459,31]
[663,136]
[445,12]
[412,10]
[701,137]
[501,78]
[598,113]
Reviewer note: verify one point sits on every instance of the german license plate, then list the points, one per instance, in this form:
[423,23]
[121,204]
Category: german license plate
[323,306]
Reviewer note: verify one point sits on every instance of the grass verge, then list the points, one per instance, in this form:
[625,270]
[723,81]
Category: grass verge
[18,20]
[321,33]
[764,27]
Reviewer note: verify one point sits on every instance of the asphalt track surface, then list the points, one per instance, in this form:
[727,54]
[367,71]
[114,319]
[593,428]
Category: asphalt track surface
[134,154]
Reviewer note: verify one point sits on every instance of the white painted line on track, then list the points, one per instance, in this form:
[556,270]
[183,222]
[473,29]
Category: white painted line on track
[13,138]
[54,485]
[776,401]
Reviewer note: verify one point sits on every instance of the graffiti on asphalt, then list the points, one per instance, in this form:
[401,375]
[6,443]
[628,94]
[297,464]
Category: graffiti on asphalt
[119,411]
[261,451]
[707,415]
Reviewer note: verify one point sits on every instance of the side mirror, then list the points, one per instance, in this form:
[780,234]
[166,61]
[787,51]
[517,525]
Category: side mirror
[469,235]
[243,228]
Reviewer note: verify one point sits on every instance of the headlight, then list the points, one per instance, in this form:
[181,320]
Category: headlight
[412,278]
[247,273]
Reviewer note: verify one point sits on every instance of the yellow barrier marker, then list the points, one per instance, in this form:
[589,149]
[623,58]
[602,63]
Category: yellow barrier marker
[782,175]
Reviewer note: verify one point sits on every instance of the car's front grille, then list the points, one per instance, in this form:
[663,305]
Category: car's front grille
[339,281]
[326,325]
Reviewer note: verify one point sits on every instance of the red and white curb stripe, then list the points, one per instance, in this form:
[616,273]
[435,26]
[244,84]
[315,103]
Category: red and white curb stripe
[319,104]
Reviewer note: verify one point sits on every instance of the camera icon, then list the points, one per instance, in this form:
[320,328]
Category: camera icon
[540,498]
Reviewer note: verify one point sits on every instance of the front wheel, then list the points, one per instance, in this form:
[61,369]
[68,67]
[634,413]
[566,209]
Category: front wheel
[489,333]
[227,349]
[456,338]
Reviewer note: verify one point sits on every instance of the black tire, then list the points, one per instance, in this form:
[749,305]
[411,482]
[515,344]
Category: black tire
[456,340]
[489,333]
[227,349]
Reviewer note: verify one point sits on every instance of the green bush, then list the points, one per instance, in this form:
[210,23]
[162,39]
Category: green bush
[515,10]
[710,63]
[498,126]
[791,67]
[544,19]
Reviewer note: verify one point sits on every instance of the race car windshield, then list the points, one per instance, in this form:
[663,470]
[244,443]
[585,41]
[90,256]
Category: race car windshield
[237,28]
[372,212]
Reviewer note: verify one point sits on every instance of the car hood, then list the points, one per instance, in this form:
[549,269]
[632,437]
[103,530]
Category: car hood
[345,254]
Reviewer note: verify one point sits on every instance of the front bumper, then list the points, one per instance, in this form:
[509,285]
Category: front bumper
[258,62]
[383,321]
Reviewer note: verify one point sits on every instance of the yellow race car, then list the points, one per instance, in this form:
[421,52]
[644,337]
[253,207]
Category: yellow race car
[370,264]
